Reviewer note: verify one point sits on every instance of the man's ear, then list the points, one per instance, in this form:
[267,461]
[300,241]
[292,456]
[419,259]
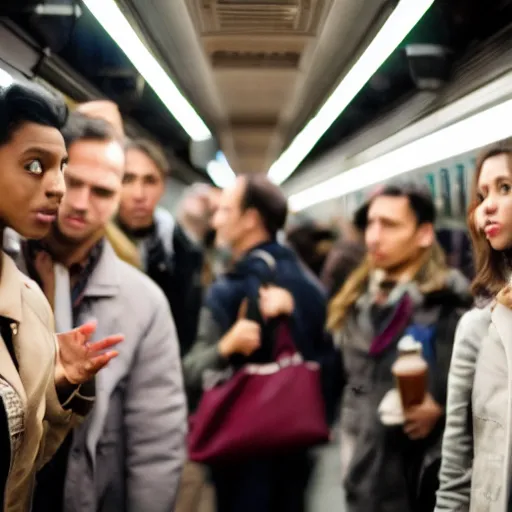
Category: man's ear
[425,235]
[253,218]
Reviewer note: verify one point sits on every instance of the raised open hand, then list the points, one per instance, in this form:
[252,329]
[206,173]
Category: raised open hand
[78,360]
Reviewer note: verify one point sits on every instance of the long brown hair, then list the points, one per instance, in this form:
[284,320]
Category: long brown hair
[490,264]
[123,246]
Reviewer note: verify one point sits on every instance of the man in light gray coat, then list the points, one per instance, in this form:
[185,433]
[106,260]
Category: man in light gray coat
[129,453]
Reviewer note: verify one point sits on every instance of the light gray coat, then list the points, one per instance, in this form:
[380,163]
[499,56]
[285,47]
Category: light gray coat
[477,445]
[128,454]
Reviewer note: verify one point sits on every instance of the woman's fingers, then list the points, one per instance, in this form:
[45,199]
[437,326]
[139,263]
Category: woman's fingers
[99,362]
[106,343]
[88,328]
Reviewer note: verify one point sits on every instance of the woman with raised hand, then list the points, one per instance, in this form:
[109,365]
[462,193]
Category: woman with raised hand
[41,396]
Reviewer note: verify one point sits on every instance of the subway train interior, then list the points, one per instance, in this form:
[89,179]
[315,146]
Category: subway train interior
[331,99]
[305,89]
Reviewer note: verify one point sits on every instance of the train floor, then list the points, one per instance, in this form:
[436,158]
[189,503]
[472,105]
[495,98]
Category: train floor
[325,493]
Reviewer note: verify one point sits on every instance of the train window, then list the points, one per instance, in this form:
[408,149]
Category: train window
[445,192]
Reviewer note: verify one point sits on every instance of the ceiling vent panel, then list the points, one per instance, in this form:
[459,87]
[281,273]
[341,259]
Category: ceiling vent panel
[258,16]
[233,59]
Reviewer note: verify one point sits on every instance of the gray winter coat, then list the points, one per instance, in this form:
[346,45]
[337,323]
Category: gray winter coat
[128,454]
[477,445]
[373,454]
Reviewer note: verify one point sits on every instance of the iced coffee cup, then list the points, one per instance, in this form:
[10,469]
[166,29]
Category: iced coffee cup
[411,372]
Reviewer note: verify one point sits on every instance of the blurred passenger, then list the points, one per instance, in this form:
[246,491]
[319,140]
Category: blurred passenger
[196,493]
[312,243]
[216,257]
[457,246]
[171,252]
[477,446]
[40,381]
[343,258]
[130,452]
[106,110]
[251,213]
[390,462]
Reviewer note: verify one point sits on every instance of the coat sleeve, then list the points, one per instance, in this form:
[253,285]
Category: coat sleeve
[58,421]
[457,449]
[204,354]
[155,417]
[59,417]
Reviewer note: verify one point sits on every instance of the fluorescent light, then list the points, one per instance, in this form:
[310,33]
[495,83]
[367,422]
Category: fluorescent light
[115,24]
[467,135]
[401,21]
[5,78]
[220,172]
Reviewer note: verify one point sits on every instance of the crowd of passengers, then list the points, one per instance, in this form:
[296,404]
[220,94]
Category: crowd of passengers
[150,307]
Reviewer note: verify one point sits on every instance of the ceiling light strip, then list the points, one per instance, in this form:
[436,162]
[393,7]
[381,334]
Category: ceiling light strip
[220,171]
[116,25]
[467,135]
[333,163]
[401,21]
[5,78]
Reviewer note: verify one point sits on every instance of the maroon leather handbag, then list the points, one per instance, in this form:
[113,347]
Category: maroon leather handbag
[263,409]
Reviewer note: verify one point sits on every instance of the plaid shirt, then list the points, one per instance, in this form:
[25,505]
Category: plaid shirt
[79,276]
[79,272]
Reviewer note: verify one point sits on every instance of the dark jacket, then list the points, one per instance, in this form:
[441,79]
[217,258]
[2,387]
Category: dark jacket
[222,303]
[174,262]
[383,470]
[179,276]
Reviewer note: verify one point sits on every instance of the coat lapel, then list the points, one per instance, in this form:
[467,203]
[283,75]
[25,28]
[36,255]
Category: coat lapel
[102,287]
[11,307]
[10,374]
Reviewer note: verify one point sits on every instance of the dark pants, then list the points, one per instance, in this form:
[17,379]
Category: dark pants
[276,485]
[430,484]
[49,491]
[422,482]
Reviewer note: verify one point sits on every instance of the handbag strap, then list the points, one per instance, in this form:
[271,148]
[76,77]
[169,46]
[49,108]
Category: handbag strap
[257,278]
[283,337]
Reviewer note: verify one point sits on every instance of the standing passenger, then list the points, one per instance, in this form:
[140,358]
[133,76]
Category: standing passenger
[39,380]
[171,252]
[129,454]
[404,286]
[477,444]
[248,218]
